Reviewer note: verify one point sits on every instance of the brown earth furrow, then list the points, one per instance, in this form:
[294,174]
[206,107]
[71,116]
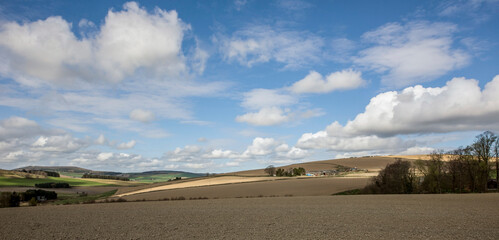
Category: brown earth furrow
[445,216]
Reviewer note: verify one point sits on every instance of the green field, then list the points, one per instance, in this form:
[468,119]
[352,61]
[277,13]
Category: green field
[72,174]
[30,182]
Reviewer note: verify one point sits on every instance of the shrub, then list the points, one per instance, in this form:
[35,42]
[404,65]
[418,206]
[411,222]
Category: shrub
[52,185]
[33,202]
[90,175]
[8,199]
[397,177]
[48,195]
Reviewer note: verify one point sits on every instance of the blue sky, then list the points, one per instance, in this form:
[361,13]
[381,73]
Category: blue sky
[218,86]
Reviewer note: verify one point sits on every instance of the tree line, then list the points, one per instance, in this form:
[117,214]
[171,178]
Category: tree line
[52,185]
[90,175]
[41,172]
[13,199]
[473,168]
[272,171]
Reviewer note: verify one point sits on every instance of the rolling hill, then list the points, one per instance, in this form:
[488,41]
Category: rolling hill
[256,182]
[149,176]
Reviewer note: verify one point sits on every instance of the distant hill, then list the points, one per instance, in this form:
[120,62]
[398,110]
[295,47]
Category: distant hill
[371,163]
[56,169]
[149,176]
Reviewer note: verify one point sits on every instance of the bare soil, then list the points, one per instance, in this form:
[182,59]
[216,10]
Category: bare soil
[445,216]
[319,186]
[203,182]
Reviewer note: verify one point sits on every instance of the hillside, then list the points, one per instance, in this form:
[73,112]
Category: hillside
[256,182]
[146,177]
[372,164]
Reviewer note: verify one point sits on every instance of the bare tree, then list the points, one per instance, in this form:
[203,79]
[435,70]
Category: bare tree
[270,170]
[483,149]
[496,151]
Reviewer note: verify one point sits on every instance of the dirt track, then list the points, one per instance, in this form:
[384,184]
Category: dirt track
[449,216]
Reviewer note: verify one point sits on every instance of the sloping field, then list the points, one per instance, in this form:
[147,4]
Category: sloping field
[285,186]
[369,163]
[16,174]
[320,186]
[446,157]
[20,179]
[202,182]
[445,216]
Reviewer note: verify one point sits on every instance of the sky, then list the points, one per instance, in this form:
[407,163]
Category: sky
[222,86]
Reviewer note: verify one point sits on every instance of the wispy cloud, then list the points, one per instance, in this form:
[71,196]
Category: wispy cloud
[412,53]
[260,44]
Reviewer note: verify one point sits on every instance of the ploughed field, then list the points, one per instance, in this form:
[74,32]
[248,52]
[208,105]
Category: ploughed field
[254,183]
[444,216]
[313,186]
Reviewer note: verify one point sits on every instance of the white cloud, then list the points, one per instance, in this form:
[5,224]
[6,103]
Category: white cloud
[260,44]
[284,151]
[260,147]
[334,138]
[199,58]
[239,4]
[154,163]
[109,161]
[232,164]
[104,156]
[297,153]
[153,41]
[18,127]
[458,106]
[61,143]
[219,154]
[101,140]
[197,166]
[79,69]
[48,51]
[269,103]
[142,115]
[265,98]
[265,117]
[84,23]
[126,145]
[271,108]
[187,154]
[294,5]
[342,49]
[412,53]
[130,126]
[417,151]
[27,143]
[478,10]
[314,82]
